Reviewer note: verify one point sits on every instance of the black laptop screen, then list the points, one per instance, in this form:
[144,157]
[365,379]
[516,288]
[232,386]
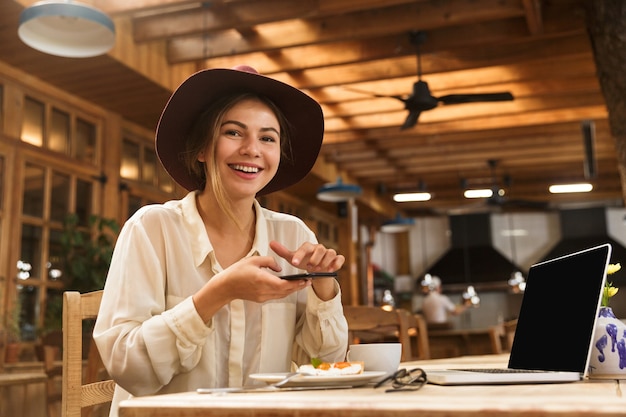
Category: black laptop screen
[558,312]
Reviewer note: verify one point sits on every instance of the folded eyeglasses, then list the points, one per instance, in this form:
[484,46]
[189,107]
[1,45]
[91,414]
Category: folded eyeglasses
[405,380]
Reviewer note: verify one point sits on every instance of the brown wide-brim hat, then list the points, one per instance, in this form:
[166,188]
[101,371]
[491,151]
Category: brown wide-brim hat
[197,92]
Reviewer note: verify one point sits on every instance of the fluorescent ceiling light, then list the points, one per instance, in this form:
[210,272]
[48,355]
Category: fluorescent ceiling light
[408,197]
[67,29]
[478,193]
[571,188]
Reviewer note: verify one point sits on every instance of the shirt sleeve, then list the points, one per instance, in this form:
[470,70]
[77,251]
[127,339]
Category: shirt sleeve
[143,343]
[449,305]
[323,330]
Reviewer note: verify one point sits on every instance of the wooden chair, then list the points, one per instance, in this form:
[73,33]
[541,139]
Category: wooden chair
[373,324]
[54,372]
[495,334]
[418,334]
[508,333]
[78,394]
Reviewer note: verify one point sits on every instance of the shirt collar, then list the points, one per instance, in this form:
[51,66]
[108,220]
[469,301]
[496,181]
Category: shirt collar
[196,232]
[201,245]
[261,245]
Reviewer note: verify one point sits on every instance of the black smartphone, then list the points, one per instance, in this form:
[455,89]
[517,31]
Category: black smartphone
[309,275]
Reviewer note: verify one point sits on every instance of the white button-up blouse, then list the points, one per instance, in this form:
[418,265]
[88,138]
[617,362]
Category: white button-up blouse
[153,341]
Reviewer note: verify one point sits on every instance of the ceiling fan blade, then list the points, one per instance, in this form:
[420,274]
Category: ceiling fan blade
[372,94]
[473,98]
[411,120]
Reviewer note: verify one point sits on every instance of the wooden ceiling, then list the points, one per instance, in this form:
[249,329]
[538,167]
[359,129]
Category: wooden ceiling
[537,50]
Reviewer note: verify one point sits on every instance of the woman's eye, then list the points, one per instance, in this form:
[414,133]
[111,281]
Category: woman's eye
[268,139]
[231,132]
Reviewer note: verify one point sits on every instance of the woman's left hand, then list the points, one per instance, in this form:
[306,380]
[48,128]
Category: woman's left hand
[314,257]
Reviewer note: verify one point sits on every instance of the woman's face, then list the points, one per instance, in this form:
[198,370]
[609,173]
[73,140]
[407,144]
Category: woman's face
[248,148]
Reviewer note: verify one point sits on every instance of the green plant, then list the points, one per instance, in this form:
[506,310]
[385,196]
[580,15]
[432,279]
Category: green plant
[13,331]
[85,259]
[609,289]
[87,255]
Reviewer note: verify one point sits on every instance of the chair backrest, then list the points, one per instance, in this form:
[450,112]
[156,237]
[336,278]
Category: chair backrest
[508,331]
[53,372]
[373,324]
[418,334]
[77,393]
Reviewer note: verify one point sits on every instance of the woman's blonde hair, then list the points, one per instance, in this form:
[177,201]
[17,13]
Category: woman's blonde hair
[205,133]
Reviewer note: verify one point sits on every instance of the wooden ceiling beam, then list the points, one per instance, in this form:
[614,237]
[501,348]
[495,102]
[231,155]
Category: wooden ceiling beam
[533,16]
[490,122]
[395,45]
[188,18]
[358,25]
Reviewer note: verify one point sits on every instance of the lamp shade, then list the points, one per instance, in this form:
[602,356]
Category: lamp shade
[67,29]
[338,192]
[397,224]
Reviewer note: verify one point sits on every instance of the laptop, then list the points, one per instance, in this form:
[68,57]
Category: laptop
[554,334]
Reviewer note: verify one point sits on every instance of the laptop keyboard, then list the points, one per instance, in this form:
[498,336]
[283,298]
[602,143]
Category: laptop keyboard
[500,370]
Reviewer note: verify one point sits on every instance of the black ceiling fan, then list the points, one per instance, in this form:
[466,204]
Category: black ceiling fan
[421,99]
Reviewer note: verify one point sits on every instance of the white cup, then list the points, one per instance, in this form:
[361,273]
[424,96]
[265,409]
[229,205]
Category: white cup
[377,356]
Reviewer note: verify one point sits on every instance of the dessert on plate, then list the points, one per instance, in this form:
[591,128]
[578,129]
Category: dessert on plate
[332,368]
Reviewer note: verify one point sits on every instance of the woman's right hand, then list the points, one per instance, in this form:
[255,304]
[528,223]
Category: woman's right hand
[247,279]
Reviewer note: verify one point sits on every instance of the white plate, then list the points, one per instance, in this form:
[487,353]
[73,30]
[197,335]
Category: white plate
[318,381]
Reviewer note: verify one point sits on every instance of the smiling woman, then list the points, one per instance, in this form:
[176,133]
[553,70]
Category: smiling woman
[207,265]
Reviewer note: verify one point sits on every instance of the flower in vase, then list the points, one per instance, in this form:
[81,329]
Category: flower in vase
[609,289]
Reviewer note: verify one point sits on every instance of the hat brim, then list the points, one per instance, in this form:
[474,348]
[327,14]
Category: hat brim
[196,93]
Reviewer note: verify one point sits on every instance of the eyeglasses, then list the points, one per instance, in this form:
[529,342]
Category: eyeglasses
[405,380]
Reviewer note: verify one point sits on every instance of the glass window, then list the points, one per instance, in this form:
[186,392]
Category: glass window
[55,266]
[29,303]
[84,193]
[165,181]
[129,167]
[32,204]
[33,122]
[29,264]
[59,138]
[85,149]
[134,204]
[59,197]
[48,197]
[149,165]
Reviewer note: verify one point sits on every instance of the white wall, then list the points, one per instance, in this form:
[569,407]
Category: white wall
[534,235]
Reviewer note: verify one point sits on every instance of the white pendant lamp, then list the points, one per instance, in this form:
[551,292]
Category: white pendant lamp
[338,192]
[66,28]
[397,225]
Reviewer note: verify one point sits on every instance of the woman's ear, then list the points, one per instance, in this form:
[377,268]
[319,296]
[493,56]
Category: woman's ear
[201,157]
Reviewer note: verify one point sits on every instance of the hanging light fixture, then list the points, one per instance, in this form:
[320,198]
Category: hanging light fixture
[470,296]
[397,224]
[428,278]
[338,192]
[516,282]
[66,28]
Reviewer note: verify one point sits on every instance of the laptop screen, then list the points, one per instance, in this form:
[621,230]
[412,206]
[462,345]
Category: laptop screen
[558,312]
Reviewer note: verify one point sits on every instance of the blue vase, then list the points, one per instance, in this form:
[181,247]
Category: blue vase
[608,357]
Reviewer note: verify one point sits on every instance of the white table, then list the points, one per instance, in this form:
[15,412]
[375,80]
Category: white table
[579,399]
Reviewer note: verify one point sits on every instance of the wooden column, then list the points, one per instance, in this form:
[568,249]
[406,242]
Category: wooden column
[348,244]
[403,253]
